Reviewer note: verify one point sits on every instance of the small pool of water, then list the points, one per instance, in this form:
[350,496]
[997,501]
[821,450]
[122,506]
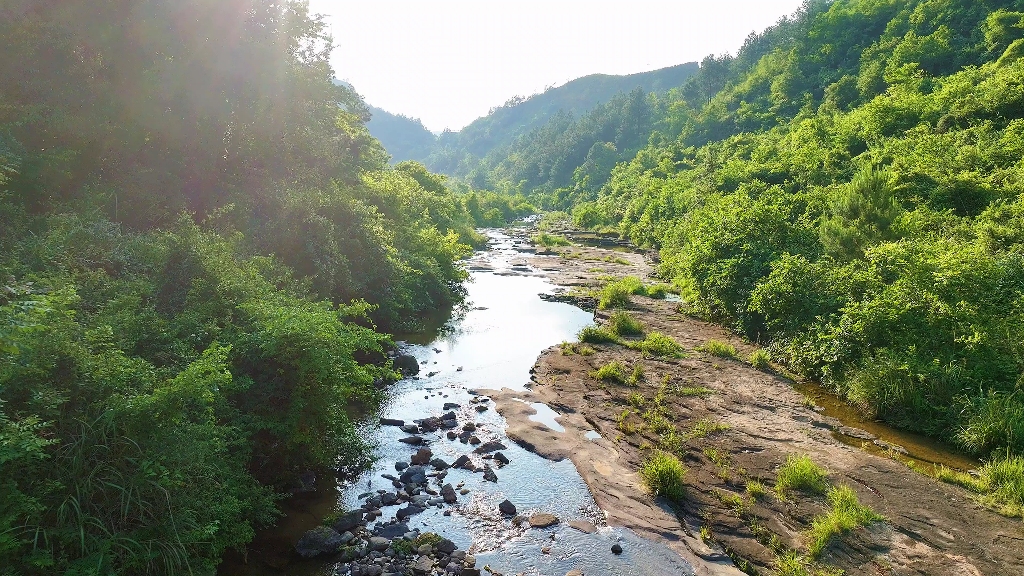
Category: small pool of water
[921,449]
[592,435]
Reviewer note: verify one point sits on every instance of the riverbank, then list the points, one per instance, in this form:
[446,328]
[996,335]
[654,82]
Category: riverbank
[738,425]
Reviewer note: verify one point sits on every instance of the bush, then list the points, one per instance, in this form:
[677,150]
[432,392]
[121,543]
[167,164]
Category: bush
[718,348]
[613,371]
[596,335]
[663,474]
[800,473]
[658,344]
[844,513]
[623,323]
[760,359]
[550,240]
[617,294]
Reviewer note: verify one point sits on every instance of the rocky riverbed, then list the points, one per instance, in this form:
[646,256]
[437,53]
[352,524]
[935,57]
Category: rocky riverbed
[738,425]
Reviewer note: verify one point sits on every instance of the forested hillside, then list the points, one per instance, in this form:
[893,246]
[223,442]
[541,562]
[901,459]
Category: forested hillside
[598,118]
[848,190]
[404,138]
[200,247]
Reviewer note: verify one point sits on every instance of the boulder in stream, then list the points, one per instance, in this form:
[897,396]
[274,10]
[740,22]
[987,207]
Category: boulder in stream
[318,541]
[543,520]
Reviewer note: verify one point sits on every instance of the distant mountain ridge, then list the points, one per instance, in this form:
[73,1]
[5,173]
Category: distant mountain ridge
[407,139]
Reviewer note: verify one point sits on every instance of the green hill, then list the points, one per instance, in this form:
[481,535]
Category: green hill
[848,190]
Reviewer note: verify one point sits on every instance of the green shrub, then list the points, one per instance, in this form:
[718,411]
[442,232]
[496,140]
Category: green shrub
[550,240]
[658,344]
[623,323]
[756,489]
[596,335]
[637,376]
[799,472]
[844,513]
[760,359]
[663,474]
[616,294]
[613,371]
[657,291]
[718,348]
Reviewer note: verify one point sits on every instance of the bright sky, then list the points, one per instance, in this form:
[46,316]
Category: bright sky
[448,62]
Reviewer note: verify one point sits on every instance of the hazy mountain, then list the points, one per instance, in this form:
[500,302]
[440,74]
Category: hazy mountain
[407,139]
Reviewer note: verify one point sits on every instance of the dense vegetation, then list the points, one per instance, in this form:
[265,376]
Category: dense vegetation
[847,190]
[199,242]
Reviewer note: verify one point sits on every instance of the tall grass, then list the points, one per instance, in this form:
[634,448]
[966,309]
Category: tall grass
[596,335]
[1000,483]
[623,323]
[799,472]
[845,512]
[550,240]
[613,371]
[718,348]
[663,474]
[658,344]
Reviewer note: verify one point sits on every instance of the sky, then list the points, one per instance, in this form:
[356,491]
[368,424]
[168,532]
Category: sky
[448,62]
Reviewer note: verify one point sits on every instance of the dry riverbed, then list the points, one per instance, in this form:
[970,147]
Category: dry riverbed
[738,424]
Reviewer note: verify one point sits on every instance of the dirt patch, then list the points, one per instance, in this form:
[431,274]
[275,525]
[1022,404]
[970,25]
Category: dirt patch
[735,425]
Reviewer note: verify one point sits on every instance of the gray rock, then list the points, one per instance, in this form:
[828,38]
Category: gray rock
[451,406]
[448,493]
[399,466]
[412,440]
[347,522]
[414,475]
[411,429]
[423,565]
[489,474]
[422,456]
[507,507]
[318,541]
[616,548]
[438,464]
[543,520]
[392,531]
[388,498]
[379,543]
[501,459]
[409,510]
[445,546]
[406,364]
[491,446]
[464,462]
[391,422]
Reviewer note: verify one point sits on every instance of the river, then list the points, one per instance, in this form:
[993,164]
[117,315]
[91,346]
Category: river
[492,345]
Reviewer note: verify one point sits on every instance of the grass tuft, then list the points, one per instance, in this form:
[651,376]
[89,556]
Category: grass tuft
[658,344]
[550,240]
[718,348]
[801,473]
[623,323]
[760,359]
[596,335]
[613,371]
[618,293]
[844,513]
[756,489]
[706,427]
[999,483]
[663,474]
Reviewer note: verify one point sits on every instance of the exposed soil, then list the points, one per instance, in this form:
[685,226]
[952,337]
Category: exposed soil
[930,528]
